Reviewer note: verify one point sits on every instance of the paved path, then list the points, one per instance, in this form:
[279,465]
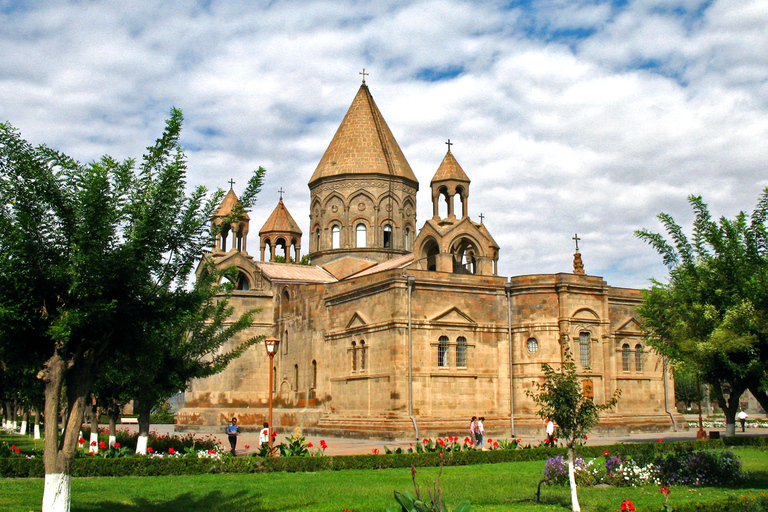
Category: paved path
[351,446]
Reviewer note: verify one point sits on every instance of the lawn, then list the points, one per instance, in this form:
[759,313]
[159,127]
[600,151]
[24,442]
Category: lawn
[492,487]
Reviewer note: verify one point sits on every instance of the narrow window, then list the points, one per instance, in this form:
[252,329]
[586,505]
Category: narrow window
[296,377]
[461,352]
[442,352]
[407,239]
[335,237]
[362,355]
[317,239]
[638,358]
[387,236]
[285,343]
[314,374]
[584,348]
[361,240]
[625,357]
[354,356]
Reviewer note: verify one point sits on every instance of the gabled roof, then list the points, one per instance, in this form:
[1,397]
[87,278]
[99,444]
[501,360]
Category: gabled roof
[229,202]
[450,169]
[280,221]
[363,144]
[293,272]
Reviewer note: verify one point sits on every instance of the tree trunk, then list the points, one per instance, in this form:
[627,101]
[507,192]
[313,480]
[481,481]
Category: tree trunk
[15,413]
[36,430]
[7,418]
[572,479]
[761,397]
[59,452]
[24,421]
[93,445]
[143,409]
[729,406]
[114,413]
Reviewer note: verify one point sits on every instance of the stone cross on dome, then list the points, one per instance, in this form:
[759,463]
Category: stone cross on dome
[576,238]
[231,183]
[449,144]
[364,75]
[281,191]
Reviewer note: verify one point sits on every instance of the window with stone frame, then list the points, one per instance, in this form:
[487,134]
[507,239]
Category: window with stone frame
[638,358]
[387,236]
[363,356]
[361,240]
[442,352]
[625,357]
[354,356]
[296,377]
[461,352]
[335,237]
[584,349]
[407,239]
[317,239]
[285,343]
[314,374]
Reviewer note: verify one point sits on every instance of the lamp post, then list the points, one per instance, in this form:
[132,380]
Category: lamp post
[271,346]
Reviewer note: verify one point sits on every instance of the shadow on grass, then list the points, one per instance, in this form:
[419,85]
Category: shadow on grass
[758,479]
[215,501]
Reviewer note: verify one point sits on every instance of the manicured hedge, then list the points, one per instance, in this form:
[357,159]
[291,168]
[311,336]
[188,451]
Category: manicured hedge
[150,466]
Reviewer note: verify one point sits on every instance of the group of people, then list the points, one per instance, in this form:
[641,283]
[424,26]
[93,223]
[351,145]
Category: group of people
[477,431]
[233,430]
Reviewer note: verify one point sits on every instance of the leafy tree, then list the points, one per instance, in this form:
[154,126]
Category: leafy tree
[87,255]
[560,398]
[712,315]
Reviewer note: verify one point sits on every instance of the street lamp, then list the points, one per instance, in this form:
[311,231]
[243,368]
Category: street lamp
[271,346]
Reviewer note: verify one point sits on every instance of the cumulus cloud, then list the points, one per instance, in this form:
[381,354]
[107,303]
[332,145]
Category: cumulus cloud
[570,116]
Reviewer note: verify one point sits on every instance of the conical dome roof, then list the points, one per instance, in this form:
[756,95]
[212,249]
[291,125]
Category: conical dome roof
[363,144]
[450,170]
[280,221]
[227,204]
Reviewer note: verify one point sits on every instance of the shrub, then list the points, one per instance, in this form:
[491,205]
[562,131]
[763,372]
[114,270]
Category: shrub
[696,468]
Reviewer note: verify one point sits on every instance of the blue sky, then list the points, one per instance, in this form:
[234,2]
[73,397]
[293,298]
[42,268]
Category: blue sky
[568,116]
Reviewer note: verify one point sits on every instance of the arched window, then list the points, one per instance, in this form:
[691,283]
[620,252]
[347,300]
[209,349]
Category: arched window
[431,250]
[317,239]
[314,374]
[625,355]
[354,356]
[442,352]
[296,377]
[225,230]
[362,355]
[387,236]
[407,239]
[242,282]
[361,239]
[285,343]
[638,358]
[461,352]
[335,237]
[584,348]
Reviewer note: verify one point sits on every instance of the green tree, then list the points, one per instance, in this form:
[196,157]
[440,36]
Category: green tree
[712,314]
[87,252]
[561,399]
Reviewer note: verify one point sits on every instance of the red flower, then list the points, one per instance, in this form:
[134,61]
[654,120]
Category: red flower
[442,443]
[17,450]
[665,491]
[150,450]
[375,451]
[274,434]
[310,445]
[102,445]
[496,444]
[93,443]
[466,439]
[586,438]
[490,441]
[425,441]
[117,445]
[659,439]
[323,445]
[13,447]
[606,453]
[247,446]
[519,440]
[171,451]
[627,505]
[80,441]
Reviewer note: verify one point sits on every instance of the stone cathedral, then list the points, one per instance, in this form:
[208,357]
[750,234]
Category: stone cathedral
[399,330]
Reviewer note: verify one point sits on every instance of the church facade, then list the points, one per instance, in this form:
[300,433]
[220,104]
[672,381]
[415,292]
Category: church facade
[401,331]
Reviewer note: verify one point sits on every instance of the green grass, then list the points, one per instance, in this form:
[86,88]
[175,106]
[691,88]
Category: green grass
[492,487]
[26,443]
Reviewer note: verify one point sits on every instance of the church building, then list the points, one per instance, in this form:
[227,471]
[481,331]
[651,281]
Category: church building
[401,330]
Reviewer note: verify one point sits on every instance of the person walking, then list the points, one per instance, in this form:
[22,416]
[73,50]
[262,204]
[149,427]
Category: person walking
[480,433]
[550,428]
[742,419]
[473,429]
[232,432]
[264,435]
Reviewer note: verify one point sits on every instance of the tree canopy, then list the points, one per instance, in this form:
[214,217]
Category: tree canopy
[712,314]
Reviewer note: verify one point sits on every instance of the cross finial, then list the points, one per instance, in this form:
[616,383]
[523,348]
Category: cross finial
[481,218]
[281,193]
[364,75]
[449,144]
[231,183]
[576,238]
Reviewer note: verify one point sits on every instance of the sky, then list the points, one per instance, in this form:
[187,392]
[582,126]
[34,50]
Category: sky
[580,116]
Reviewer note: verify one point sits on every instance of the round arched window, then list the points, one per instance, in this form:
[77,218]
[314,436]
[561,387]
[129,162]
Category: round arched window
[533,345]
